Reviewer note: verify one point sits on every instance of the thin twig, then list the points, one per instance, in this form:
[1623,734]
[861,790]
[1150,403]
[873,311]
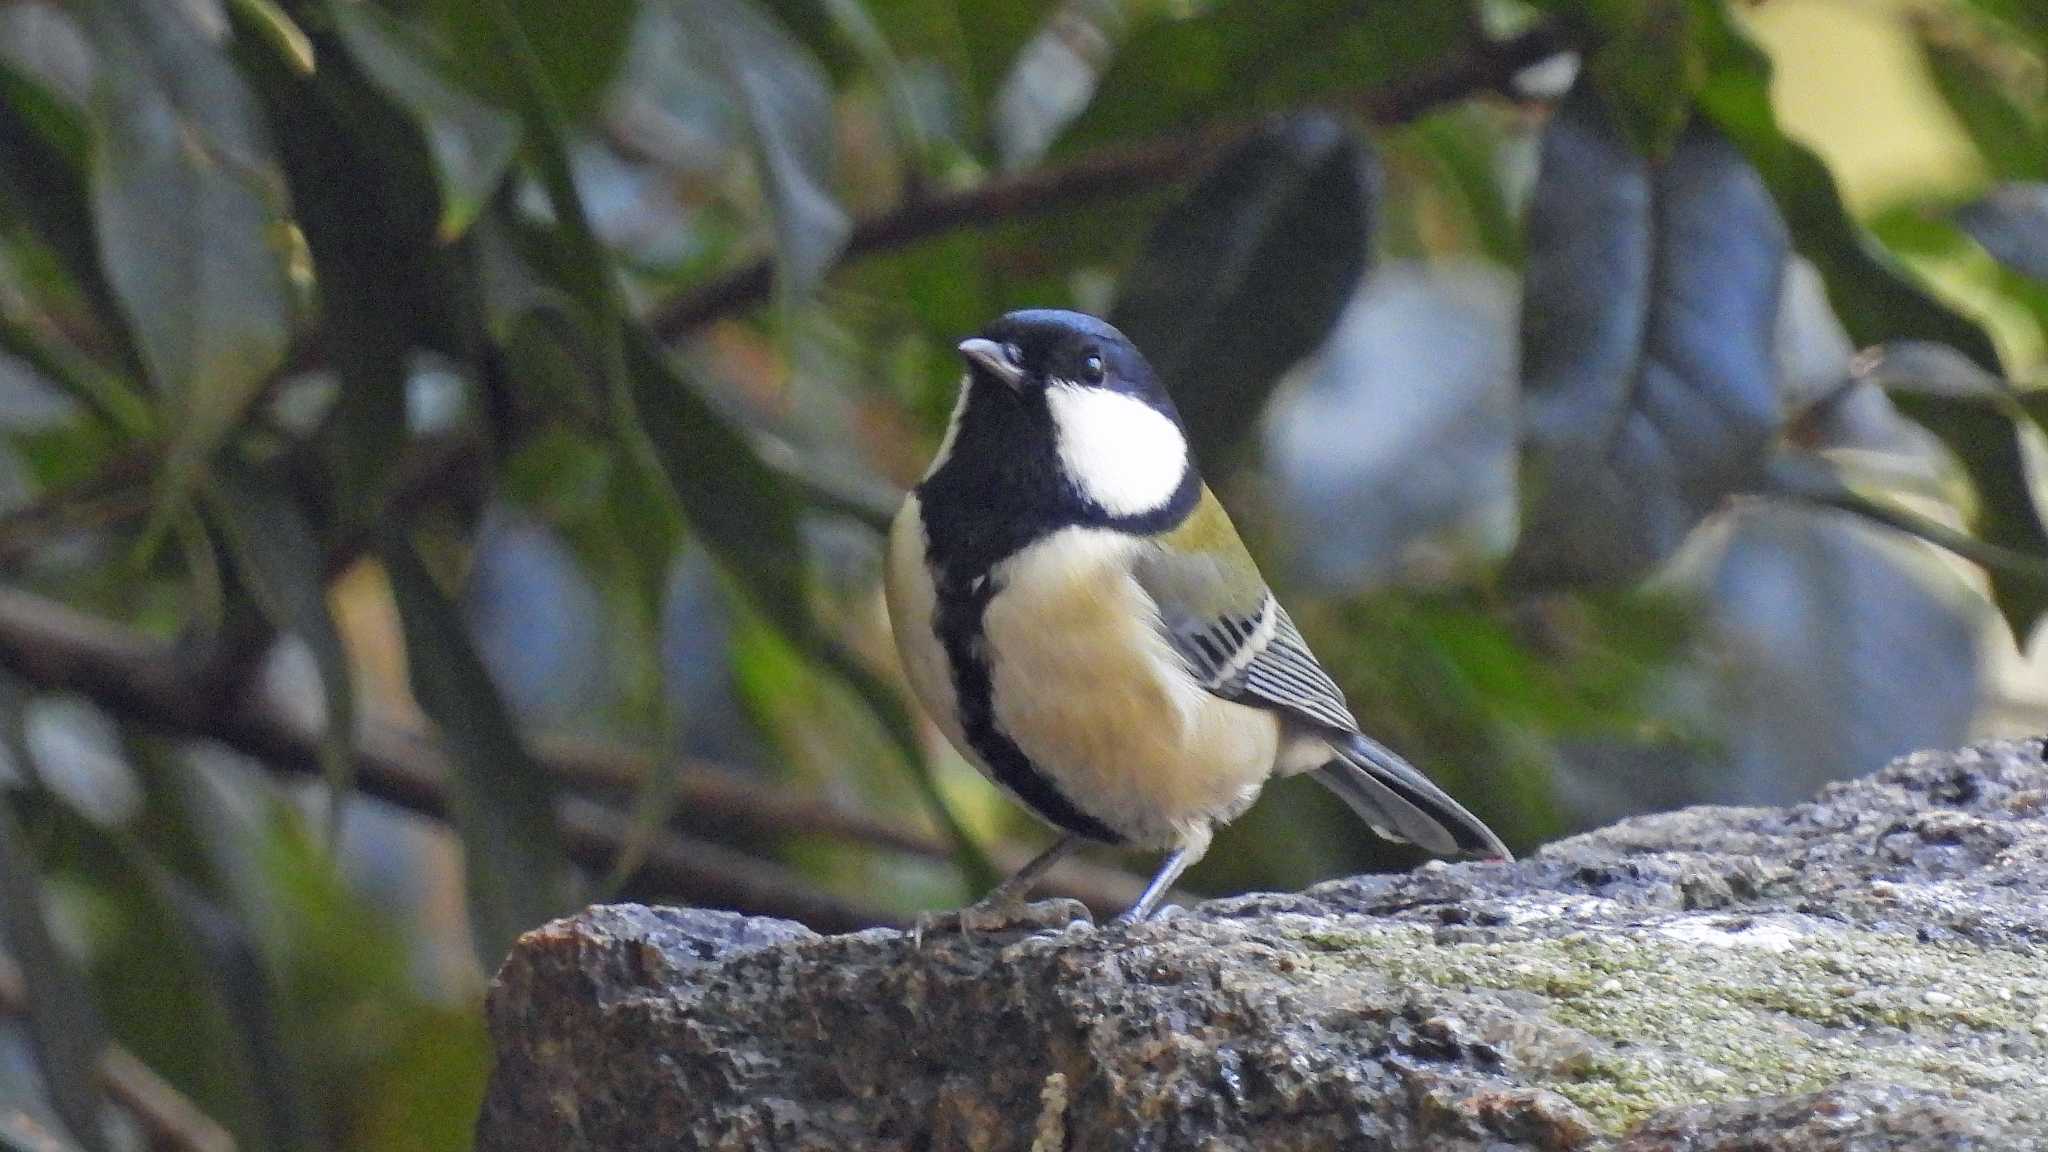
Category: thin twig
[55,648]
[710,798]
[167,1118]
[1104,173]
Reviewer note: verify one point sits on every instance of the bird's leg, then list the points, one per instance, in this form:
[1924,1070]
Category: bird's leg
[1162,881]
[1004,905]
[1019,884]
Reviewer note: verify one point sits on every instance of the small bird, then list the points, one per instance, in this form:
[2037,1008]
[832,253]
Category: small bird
[1076,611]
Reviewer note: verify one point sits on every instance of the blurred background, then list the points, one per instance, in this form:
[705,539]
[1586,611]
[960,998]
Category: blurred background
[446,441]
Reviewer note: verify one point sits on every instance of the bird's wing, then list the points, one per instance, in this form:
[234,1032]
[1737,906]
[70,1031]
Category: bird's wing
[1235,639]
[1237,642]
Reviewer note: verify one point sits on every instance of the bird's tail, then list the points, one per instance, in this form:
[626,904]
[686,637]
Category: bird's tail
[1401,804]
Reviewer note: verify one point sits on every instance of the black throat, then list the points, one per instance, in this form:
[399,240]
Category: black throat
[1001,490]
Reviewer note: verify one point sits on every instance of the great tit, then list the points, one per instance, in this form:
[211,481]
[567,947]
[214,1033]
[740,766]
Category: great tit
[1076,611]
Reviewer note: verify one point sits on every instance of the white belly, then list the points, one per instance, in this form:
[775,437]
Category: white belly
[1088,688]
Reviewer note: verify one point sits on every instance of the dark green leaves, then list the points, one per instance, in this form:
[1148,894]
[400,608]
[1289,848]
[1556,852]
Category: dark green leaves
[67,1030]
[2011,222]
[1646,65]
[516,873]
[1980,419]
[190,208]
[1248,275]
[786,105]
[1250,55]
[472,142]
[1871,293]
[45,152]
[577,44]
[283,565]
[368,212]
[1875,299]
[1648,320]
[741,510]
[2007,133]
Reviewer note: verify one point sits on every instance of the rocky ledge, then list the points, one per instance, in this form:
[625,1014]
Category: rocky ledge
[1867,971]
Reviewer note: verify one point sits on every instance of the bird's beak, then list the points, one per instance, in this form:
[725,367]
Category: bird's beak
[988,356]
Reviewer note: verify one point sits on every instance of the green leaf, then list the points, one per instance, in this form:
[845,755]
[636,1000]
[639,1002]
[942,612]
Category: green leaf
[2026,16]
[108,396]
[742,511]
[1248,275]
[222,947]
[1876,299]
[1646,64]
[472,142]
[279,558]
[1241,56]
[2011,222]
[69,1036]
[1649,316]
[991,34]
[46,149]
[285,36]
[1872,292]
[2008,135]
[361,178]
[1463,146]
[427,1095]
[786,101]
[187,195]
[514,868]
[180,981]
[1981,419]
[577,45]
[738,508]
[857,27]
[1812,479]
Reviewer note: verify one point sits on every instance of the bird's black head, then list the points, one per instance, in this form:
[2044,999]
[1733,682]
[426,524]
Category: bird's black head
[1048,347]
[1061,422]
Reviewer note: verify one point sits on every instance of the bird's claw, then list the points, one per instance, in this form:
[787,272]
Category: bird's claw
[985,918]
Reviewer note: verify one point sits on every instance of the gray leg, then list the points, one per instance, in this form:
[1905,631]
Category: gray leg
[1019,884]
[1169,871]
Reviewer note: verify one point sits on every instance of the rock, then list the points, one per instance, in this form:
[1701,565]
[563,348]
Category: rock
[1868,971]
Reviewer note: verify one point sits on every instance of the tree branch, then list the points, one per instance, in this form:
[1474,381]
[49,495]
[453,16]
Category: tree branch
[55,648]
[167,1119]
[1104,173]
[1108,172]
[711,798]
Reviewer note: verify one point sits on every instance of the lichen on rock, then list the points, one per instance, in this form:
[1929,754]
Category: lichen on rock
[1866,971]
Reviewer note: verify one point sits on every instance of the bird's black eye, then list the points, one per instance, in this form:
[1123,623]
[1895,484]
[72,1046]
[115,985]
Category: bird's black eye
[1091,370]
[1013,354]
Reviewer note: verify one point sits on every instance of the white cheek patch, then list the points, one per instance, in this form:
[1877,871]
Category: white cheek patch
[1118,451]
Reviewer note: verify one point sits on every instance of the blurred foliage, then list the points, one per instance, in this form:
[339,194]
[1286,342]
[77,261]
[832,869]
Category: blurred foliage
[445,443]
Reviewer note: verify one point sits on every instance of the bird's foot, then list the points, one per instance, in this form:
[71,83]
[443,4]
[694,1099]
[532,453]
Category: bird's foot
[1130,916]
[988,918]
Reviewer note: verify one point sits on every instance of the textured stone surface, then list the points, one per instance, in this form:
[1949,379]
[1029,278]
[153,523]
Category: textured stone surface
[1868,971]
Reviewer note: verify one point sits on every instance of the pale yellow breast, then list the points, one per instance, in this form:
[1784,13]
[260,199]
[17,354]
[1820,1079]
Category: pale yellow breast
[907,584]
[1089,689]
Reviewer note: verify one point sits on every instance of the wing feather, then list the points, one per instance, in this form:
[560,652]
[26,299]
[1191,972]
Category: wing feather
[1239,643]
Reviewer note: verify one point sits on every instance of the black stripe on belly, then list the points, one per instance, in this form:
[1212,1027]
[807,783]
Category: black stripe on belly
[957,618]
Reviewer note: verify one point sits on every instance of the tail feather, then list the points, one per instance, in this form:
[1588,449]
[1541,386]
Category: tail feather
[1401,804]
